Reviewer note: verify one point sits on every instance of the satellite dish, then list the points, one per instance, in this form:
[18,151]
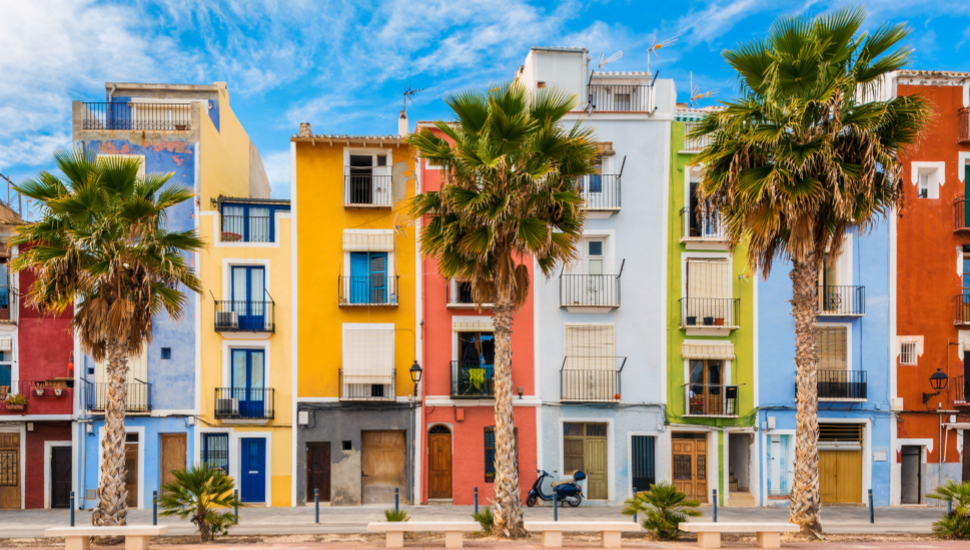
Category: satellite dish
[604,62]
[654,49]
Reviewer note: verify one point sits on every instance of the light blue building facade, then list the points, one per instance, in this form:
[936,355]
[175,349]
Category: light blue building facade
[853,324]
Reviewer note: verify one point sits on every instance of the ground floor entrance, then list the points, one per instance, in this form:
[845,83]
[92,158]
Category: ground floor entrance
[60,477]
[439,462]
[689,460]
[10,467]
[586,448]
[840,462]
[911,474]
[383,466]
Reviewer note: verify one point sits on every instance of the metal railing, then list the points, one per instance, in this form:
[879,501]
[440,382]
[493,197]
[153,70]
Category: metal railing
[31,390]
[701,225]
[367,386]
[961,214]
[367,190]
[842,384]
[710,312]
[698,144]
[589,290]
[841,300]
[245,403]
[137,399]
[245,316]
[961,389]
[590,379]
[137,116]
[712,400]
[246,229]
[625,98]
[458,293]
[367,290]
[964,117]
[472,379]
[600,191]
[961,304]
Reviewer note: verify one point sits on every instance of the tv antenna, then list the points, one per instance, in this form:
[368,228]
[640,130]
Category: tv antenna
[409,95]
[696,95]
[653,50]
[604,61]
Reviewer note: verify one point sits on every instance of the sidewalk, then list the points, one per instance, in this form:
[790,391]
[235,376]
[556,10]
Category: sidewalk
[354,519]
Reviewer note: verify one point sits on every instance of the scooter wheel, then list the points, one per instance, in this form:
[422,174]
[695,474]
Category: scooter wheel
[530,501]
[575,500]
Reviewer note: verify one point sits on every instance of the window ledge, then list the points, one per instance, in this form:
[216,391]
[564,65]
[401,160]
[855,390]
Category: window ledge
[599,308]
[842,400]
[709,330]
[365,205]
[710,416]
[467,306]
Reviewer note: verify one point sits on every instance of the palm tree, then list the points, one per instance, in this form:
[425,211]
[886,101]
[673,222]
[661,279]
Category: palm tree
[197,494]
[809,149]
[509,196]
[100,244]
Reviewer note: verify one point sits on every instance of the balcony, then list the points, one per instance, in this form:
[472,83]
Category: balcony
[8,297]
[459,296]
[365,385]
[712,400]
[137,400]
[245,404]
[961,303]
[961,215]
[695,145]
[702,228]
[601,193]
[590,379]
[367,190]
[367,290]
[244,316]
[842,385]
[964,118]
[590,293]
[710,315]
[961,389]
[842,301]
[246,229]
[472,380]
[621,98]
[137,116]
[34,391]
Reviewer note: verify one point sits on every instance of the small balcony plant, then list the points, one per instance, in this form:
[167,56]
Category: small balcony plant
[16,402]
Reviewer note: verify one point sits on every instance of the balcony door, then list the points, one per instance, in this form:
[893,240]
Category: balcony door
[595,261]
[706,392]
[248,295]
[369,179]
[368,277]
[476,363]
[247,381]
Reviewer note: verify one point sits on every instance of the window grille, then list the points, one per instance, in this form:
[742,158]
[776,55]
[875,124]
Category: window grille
[907,354]
[10,468]
[490,452]
[215,451]
[643,456]
[832,348]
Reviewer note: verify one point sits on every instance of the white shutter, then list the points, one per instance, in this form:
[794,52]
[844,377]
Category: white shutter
[708,278]
[368,355]
[708,350]
[6,343]
[484,324]
[368,241]
[589,347]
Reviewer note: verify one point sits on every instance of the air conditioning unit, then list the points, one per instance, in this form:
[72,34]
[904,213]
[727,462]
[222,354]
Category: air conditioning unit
[227,320]
[227,407]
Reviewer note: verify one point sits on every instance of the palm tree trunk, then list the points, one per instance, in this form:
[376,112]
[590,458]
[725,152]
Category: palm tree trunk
[506,498]
[805,499]
[112,494]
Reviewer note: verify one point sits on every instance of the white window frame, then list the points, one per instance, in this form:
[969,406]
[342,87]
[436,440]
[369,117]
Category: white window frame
[908,358]
[936,172]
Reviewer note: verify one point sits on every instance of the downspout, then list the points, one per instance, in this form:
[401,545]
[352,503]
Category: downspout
[112,92]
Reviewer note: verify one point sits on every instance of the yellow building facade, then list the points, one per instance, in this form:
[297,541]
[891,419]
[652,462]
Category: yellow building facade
[355,299]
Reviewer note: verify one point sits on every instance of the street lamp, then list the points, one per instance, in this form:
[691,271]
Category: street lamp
[415,372]
[938,382]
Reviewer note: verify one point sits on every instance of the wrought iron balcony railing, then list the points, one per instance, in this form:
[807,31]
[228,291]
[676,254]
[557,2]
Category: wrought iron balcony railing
[961,214]
[590,290]
[31,390]
[964,120]
[961,303]
[695,145]
[710,313]
[842,384]
[842,300]
[367,385]
[698,225]
[621,98]
[245,403]
[367,290]
[367,190]
[712,400]
[246,229]
[472,379]
[138,397]
[137,116]
[600,191]
[591,379]
[245,316]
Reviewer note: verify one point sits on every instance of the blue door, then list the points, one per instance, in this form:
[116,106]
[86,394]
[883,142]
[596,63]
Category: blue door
[248,293]
[252,468]
[368,277]
[247,381]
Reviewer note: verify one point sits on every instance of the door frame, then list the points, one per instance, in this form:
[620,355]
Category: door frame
[142,443]
[427,451]
[48,474]
[713,457]
[235,450]
[610,451]
[658,473]
[229,263]
[229,344]
[22,430]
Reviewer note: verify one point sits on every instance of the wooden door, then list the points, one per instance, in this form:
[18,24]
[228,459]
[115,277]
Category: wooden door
[318,470]
[131,474]
[828,476]
[383,467]
[690,467]
[10,470]
[439,463]
[173,456]
[252,467]
[585,447]
[966,442]
[60,469]
[840,476]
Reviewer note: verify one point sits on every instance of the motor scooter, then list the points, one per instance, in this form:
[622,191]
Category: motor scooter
[567,490]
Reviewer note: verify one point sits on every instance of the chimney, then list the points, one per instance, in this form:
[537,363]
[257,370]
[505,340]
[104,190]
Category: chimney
[305,129]
[402,124]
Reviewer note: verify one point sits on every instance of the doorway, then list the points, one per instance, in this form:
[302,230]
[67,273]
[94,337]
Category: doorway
[131,469]
[248,297]
[439,462]
[247,382]
[383,466]
[252,469]
[585,447]
[60,472]
[318,470]
[690,464]
[173,457]
[10,471]
[911,474]
[840,463]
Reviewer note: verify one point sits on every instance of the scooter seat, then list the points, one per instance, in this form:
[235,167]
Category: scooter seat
[561,482]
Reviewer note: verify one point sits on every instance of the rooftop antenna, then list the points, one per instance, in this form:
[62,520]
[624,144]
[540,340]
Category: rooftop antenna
[653,50]
[604,61]
[409,95]
[696,94]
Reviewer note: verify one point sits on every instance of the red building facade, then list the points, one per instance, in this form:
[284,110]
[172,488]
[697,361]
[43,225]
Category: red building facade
[458,417]
[933,294]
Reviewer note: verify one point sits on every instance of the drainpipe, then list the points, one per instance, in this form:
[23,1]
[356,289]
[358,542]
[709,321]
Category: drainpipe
[112,92]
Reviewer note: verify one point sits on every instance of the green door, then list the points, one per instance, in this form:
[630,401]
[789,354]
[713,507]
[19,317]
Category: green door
[585,447]
[966,196]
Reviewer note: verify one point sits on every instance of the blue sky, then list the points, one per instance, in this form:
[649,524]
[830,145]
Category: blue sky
[343,66]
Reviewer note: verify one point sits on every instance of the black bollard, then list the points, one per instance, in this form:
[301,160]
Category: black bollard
[715,505]
[476,500]
[872,516]
[555,505]
[634,513]
[949,507]
[235,506]
[154,507]
[316,504]
[72,508]
[397,500]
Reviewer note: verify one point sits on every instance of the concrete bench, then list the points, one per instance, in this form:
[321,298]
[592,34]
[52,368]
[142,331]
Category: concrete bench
[609,530]
[768,535]
[79,538]
[395,530]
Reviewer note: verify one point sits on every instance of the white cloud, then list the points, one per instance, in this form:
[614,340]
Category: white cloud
[277,165]
[715,19]
[33,150]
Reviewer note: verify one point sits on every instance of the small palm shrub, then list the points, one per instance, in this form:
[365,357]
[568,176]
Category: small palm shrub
[485,519]
[663,508]
[956,524]
[396,515]
[197,494]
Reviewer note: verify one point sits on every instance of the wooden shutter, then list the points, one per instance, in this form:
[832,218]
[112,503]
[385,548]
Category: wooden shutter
[708,278]
[832,348]
[589,347]
[368,356]
[137,368]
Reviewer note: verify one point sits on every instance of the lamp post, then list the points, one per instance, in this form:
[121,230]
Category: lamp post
[938,382]
[415,372]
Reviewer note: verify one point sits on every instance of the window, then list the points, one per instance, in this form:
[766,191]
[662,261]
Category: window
[249,298]
[368,362]
[490,452]
[6,372]
[707,393]
[215,450]
[831,343]
[927,177]
[247,377]
[4,292]
[166,353]
[247,223]
[368,180]
[907,353]
[347,445]
[368,278]
[709,298]
[923,187]
[589,369]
